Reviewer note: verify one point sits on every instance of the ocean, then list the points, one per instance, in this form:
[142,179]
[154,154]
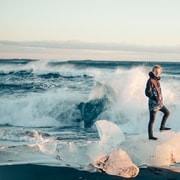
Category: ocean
[49,110]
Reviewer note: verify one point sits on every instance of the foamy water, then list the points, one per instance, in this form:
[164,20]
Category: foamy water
[41,122]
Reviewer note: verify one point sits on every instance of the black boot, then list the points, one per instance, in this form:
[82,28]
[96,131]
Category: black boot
[164,128]
[153,138]
[150,132]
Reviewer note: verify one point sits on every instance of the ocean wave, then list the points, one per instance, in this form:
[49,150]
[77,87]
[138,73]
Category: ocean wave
[15,61]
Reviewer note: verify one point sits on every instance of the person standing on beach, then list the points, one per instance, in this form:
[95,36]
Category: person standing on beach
[155,102]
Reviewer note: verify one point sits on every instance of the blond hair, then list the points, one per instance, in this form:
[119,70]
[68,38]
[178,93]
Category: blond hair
[157,67]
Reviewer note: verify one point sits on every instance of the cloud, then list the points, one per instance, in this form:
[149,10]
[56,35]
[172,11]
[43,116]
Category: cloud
[92,46]
[86,50]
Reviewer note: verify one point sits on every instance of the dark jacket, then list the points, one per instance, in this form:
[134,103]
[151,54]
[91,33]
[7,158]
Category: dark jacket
[153,88]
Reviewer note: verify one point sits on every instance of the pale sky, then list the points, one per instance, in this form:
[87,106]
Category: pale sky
[90,29]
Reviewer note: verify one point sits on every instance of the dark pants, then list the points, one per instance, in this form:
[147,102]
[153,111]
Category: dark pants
[152,119]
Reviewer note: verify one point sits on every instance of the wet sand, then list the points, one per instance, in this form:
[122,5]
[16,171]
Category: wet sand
[41,172]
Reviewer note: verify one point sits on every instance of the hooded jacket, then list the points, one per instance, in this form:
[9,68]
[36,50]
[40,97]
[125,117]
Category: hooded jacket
[153,90]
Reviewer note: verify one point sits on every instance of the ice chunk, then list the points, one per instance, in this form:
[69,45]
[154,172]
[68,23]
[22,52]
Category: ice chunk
[167,152]
[117,163]
[48,146]
[109,133]
[163,152]
[111,137]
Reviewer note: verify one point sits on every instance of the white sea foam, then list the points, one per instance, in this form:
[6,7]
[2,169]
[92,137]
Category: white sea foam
[129,105]
[40,110]
[124,88]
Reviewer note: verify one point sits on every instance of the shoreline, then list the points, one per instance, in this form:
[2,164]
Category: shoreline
[38,172]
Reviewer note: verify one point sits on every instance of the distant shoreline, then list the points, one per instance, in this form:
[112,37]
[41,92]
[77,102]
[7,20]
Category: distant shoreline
[91,60]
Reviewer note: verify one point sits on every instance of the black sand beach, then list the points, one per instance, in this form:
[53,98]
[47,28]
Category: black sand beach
[41,172]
